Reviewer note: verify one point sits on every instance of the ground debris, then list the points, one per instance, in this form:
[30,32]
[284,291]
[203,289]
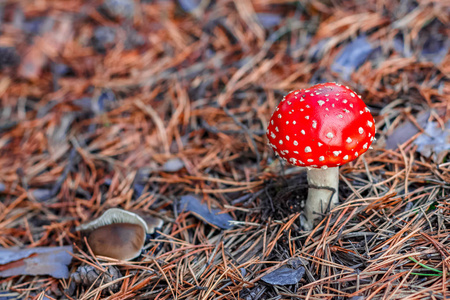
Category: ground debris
[213,216]
[284,276]
[87,276]
[51,261]
[138,104]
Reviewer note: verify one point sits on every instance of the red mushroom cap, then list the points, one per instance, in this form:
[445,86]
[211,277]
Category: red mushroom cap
[323,126]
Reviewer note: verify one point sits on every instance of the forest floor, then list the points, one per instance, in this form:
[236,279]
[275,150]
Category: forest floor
[134,105]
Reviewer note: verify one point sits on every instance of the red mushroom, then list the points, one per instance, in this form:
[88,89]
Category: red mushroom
[321,128]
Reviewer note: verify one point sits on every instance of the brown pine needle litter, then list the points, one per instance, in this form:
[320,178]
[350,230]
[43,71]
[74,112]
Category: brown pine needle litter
[134,104]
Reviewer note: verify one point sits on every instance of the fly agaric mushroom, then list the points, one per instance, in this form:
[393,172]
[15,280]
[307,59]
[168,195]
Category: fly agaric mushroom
[117,233]
[321,128]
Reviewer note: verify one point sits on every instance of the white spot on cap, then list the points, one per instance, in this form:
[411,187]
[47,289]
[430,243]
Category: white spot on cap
[310,160]
[346,157]
[294,122]
[306,91]
[319,144]
[271,122]
[356,154]
[351,94]
[366,109]
[296,152]
[340,116]
[295,143]
[346,110]
[337,94]
[289,103]
[332,105]
[287,122]
[330,135]
[351,105]
[302,131]
[324,167]
[293,160]
[279,116]
[360,130]
[308,149]
[321,158]
[307,117]
[273,135]
[320,102]
[312,95]
[365,146]
[336,153]
[345,101]
[369,123]
[307,106]
[361,112]
[287,138]
[326,95]
[348,140]
[296,92]
[276,129]
[314,124]
[281,142]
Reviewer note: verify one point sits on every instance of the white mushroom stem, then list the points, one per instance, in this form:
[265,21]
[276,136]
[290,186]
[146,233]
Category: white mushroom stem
[321,184]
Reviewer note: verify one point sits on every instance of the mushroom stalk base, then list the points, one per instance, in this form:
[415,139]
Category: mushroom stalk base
[323,191]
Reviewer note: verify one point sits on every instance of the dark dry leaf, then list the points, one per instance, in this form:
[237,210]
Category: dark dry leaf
[212,217]
[104,38]
[284,276]
[119,8]
[51,261]
[435,141]
[8,57]
[352,57]
[42,194]
[189,5]
[173,165]
[9,296]
[406,130]
[435,50]
[269,20]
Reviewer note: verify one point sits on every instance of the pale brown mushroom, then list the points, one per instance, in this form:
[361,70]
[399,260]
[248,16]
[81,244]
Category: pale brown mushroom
[118,234]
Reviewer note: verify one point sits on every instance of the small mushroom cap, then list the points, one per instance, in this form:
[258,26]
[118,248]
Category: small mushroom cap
[122,241]
[323,126]
[112,216]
